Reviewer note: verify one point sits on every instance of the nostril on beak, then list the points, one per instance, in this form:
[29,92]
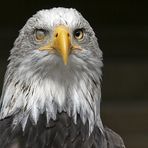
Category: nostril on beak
[68,34]
[56,35]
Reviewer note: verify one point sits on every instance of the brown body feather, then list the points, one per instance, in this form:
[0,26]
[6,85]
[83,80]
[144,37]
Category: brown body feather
[61,133]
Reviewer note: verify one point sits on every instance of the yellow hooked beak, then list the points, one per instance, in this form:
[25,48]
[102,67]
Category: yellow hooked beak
[61,43]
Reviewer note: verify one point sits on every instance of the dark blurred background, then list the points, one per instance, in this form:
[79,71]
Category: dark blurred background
[122,30]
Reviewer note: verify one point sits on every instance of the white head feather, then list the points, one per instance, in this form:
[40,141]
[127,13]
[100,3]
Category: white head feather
[38,82]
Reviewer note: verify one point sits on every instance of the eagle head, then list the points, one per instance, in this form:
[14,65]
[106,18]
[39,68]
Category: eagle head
[54,66]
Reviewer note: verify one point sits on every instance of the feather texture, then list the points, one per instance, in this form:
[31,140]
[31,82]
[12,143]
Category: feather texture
[37,82]
[61,133]
[45,104]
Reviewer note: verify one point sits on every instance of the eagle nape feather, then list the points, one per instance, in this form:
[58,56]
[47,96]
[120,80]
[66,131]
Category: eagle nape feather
[51,93]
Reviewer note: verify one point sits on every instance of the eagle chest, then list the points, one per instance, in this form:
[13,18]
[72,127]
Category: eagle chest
[61,133]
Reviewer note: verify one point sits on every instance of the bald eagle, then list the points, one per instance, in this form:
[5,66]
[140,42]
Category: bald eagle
[51,93]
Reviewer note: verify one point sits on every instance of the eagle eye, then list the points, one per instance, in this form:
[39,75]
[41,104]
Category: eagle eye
[79,34]
[40,34]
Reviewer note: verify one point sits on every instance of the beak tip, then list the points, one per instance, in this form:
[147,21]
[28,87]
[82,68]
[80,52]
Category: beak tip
[65,62]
